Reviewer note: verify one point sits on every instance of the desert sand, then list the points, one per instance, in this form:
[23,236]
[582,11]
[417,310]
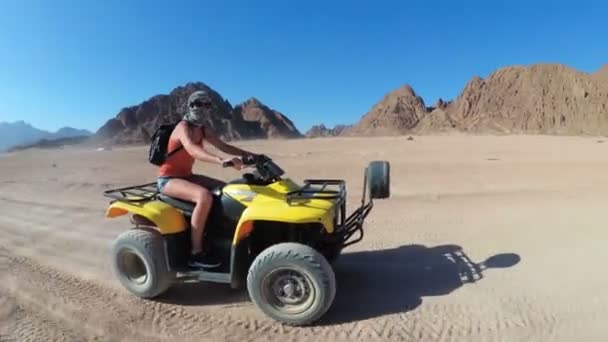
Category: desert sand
[485,238]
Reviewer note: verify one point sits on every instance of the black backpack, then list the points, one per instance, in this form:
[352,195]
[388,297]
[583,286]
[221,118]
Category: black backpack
[159,144]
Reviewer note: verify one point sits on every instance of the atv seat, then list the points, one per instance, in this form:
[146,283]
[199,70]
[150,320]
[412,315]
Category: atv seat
[177,203]
[186,206]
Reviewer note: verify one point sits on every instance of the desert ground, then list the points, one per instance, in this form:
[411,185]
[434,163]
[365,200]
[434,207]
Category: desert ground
[485,238]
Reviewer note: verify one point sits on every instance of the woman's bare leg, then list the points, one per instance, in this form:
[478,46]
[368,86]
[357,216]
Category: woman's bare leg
[189,191]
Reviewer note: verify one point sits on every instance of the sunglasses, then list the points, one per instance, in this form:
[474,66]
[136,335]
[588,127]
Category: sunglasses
[198,104]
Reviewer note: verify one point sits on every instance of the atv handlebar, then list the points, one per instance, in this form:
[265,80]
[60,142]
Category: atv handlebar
[267,170]
[248,160]
[228,163]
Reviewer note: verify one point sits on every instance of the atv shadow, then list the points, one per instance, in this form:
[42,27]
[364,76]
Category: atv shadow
[382,282]
[203,293]
[370,283]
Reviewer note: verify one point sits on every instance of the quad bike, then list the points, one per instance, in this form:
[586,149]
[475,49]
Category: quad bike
[274,236]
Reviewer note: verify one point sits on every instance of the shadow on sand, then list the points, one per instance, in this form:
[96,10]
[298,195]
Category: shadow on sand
[371,283]
[382,282]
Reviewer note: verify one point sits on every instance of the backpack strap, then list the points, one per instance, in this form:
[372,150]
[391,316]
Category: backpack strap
[182,146]
[175,151]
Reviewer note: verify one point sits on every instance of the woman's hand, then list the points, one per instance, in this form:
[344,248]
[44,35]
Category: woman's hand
[235,162]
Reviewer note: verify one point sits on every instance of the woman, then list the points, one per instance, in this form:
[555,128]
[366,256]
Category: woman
[177,180]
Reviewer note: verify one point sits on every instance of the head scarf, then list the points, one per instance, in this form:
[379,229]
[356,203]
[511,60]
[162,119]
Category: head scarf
[196,115]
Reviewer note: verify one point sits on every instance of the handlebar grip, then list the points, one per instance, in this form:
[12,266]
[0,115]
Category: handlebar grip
[250,159]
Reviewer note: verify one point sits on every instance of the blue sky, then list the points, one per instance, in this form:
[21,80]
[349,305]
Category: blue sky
[78,63]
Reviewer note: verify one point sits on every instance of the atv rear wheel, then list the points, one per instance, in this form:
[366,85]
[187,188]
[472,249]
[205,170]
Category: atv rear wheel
[378,178]
[292,283]
[139,262]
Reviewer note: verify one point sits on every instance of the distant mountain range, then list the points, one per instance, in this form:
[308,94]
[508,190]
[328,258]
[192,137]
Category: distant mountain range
[20,133]
[534,99]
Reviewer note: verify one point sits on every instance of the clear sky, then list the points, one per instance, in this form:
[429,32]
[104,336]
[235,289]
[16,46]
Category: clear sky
[78,63]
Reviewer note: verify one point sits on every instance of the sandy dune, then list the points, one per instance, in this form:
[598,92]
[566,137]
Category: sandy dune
[484,239]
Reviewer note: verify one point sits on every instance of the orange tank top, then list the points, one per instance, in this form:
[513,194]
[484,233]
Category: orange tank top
[178,164]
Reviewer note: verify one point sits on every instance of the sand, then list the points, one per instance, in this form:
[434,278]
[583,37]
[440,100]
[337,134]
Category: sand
[485,238]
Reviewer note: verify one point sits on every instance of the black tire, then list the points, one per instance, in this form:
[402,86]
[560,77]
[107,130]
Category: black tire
[331,253]
[139,262]
[379,180]
[286,271]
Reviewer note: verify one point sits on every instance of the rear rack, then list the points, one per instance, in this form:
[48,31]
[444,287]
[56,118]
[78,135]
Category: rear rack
[137,193]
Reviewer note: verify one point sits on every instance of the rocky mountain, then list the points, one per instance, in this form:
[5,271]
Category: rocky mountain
[536,99]
[69,132]
[318,131]
[22,133]
[53,143]
[248,120]
[268,122]
[435,121]
[397,113]
[19,132]
[602,73]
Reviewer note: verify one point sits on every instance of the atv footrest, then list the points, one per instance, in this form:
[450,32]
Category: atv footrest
[215,277]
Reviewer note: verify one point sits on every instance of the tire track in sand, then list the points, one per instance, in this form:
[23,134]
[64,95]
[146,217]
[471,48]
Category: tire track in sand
[80,306]
[72,307]
[41,302]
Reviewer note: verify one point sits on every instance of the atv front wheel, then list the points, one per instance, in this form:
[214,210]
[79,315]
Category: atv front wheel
[292,283]
[331,253]
[139,262]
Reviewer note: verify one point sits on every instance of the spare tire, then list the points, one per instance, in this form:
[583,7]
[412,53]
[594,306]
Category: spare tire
[378,178]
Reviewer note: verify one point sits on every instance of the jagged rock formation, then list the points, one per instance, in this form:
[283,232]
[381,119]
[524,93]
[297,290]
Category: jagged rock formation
[251,119]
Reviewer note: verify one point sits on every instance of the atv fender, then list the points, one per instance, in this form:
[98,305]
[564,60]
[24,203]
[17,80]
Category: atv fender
[317,212]
[166,218]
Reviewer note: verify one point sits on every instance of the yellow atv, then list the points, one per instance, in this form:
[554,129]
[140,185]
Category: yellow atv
[272,234]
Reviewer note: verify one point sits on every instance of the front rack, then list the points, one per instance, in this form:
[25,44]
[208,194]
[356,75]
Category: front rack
[137,193]
[310,192]
[322,189]
[353,224]
[347,228]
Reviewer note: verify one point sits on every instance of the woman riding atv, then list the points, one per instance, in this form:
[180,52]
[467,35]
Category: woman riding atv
[175,176]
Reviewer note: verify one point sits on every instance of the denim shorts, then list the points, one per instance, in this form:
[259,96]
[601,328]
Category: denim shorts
[163,180]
